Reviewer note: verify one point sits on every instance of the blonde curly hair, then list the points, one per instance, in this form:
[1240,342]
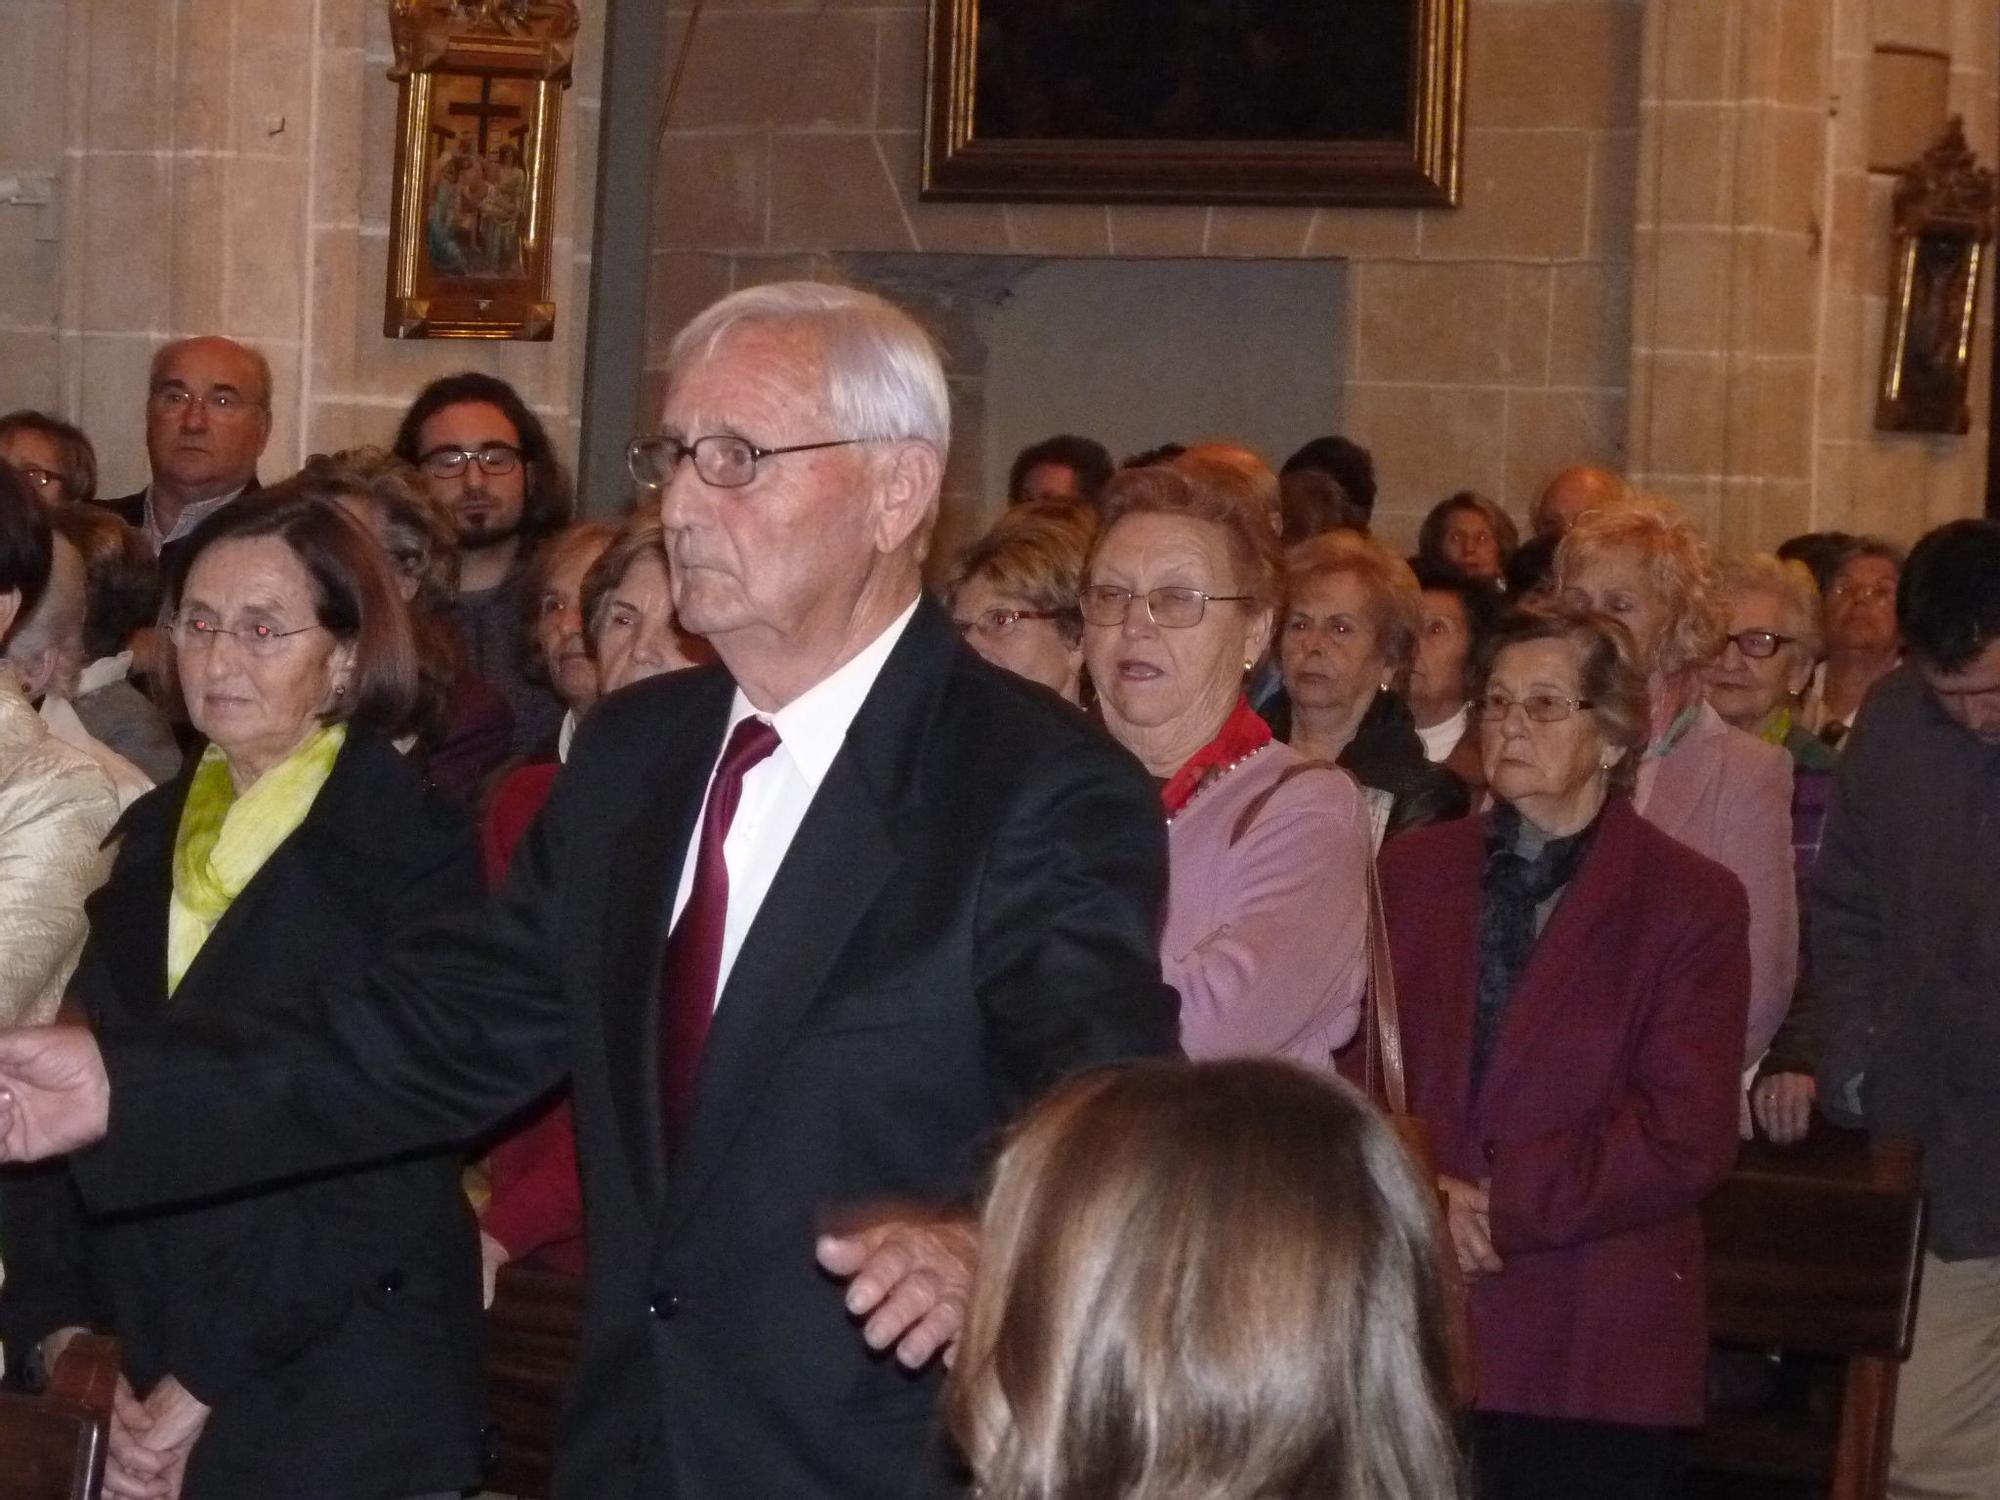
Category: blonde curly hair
[1678,561]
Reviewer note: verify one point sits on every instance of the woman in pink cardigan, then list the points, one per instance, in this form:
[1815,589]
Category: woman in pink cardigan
[1721,792]
[1267,852]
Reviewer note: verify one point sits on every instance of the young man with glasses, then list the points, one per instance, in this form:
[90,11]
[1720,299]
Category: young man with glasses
[487,459]
[208,417]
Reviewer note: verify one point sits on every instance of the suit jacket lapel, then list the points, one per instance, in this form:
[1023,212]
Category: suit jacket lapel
[844,853]
[642,877]
[1584,916]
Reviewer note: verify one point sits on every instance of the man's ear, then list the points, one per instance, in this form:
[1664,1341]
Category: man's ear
[908,478]
[10,610]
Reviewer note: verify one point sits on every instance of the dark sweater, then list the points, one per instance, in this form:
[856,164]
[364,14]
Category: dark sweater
[1906,951]
[1387,756]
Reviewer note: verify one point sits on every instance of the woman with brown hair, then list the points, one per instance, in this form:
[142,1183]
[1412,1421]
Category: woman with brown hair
[316,1338]
[1214,1280]
[1013,594]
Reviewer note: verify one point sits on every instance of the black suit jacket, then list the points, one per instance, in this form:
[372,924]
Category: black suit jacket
[969,910]
[333,1323]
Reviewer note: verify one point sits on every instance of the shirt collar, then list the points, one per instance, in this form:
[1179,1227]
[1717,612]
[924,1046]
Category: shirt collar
[190,517]
[814,725]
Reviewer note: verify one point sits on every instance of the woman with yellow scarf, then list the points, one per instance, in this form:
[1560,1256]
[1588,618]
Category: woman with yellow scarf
[314,1339]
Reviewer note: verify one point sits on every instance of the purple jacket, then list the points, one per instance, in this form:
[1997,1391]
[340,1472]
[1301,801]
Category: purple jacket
[1266,934]
[1728,795]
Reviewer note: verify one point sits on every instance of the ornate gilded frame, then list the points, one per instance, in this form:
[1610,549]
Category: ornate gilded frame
[1944,214]
[1421,170]
[517,55]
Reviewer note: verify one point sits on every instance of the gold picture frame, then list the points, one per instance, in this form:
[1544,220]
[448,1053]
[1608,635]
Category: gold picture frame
[1944,214]
[471,228]
[1065,104]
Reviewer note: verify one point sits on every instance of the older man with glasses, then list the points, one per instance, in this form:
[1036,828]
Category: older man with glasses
[208,417]
[808,928]
[488,460]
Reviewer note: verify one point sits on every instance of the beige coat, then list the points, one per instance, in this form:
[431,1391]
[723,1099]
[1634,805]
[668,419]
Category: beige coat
[56,806]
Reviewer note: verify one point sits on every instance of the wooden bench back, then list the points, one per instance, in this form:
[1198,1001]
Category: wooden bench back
[1818,1247]
[52,1445]
[533,1331]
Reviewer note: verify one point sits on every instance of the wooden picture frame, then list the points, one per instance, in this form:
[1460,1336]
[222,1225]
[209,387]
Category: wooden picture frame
[1944,214]
[472,224]
[1331,102]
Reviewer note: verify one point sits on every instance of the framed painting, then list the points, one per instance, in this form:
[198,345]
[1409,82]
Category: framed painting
[1153,101]
[1945,208]
[480,119]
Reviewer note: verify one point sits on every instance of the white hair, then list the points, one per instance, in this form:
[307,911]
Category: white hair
[884,379]
[1790,584]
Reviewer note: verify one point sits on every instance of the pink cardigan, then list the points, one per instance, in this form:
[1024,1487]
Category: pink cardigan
[1265,936]
[1728,795]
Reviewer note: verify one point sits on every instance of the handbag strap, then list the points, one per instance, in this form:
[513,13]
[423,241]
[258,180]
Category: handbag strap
[1382,1048]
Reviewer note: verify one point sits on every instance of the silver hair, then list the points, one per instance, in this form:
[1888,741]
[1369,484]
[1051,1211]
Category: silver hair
[884,379]
[1790,583]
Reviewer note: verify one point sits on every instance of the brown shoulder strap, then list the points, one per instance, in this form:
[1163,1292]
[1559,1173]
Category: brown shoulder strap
[1382,1048]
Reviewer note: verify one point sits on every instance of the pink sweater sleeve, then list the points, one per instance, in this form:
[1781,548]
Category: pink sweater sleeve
[1281,970]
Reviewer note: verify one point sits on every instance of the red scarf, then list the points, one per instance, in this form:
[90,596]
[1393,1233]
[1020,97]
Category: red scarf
[1241,733]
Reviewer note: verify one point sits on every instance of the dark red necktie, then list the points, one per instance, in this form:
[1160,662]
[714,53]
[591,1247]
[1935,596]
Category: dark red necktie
[693,960]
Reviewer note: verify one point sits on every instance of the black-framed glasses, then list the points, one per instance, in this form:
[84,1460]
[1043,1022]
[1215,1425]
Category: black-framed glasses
[1171,608]
[178,400]
[1759,645]
[998,624]
[721,459]
[1542,708]
[449,463]
[194,630]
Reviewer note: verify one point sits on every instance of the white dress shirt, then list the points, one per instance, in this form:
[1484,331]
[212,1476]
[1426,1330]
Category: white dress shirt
[778,791]
[190,517]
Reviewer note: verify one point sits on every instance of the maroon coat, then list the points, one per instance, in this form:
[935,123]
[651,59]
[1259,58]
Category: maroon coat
[1607,1113]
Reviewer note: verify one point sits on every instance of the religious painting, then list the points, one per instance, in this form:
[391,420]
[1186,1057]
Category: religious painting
[1152,101]
[482,84]
[1944,212]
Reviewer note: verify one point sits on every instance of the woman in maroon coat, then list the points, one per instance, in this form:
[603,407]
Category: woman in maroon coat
[1574,987]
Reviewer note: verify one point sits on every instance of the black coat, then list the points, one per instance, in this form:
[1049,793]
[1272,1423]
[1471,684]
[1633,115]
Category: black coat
[970,909]
[333,1323]
[1386,755]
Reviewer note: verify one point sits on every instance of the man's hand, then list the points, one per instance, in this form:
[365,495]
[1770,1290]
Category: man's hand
[909,1278]
[1783,1104]
[1468,1215]
[54,1095]
[492,1256]
[150,1462]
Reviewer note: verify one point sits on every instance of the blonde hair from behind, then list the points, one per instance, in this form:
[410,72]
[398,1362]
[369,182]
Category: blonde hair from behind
[1678,560]
[1206,1281]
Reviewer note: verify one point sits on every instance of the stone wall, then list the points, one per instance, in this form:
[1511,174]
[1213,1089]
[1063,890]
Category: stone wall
[225,166]
[1482,347]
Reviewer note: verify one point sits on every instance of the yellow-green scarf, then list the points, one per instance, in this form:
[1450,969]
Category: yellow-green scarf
[224,839]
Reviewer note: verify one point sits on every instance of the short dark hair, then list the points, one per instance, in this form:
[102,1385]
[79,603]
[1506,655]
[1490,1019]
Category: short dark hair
[1948,602]
[120,579]
[79,459]
[27,548]
[1820,552]
[1146,458]
[1312,503]
[1531,567]
[1347,461]
[550,500]
[1089,460]
[1482,602]
[354,593]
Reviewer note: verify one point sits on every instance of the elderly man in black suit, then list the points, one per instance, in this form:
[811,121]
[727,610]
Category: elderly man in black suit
[208,417]
[807,927]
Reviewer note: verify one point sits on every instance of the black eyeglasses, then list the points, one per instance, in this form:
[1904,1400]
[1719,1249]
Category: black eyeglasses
[1171,608]
[1759,645]
[721,459]
[1542,708]
[449,463]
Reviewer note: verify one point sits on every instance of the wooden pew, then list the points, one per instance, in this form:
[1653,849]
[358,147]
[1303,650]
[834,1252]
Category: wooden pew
[52,1446]
[532,1333]
[1816,1249]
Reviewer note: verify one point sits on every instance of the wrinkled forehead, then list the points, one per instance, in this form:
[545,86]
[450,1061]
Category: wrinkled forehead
[211,364]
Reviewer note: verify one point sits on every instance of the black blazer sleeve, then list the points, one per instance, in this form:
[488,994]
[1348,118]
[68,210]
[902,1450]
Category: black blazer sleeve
[460,1024]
